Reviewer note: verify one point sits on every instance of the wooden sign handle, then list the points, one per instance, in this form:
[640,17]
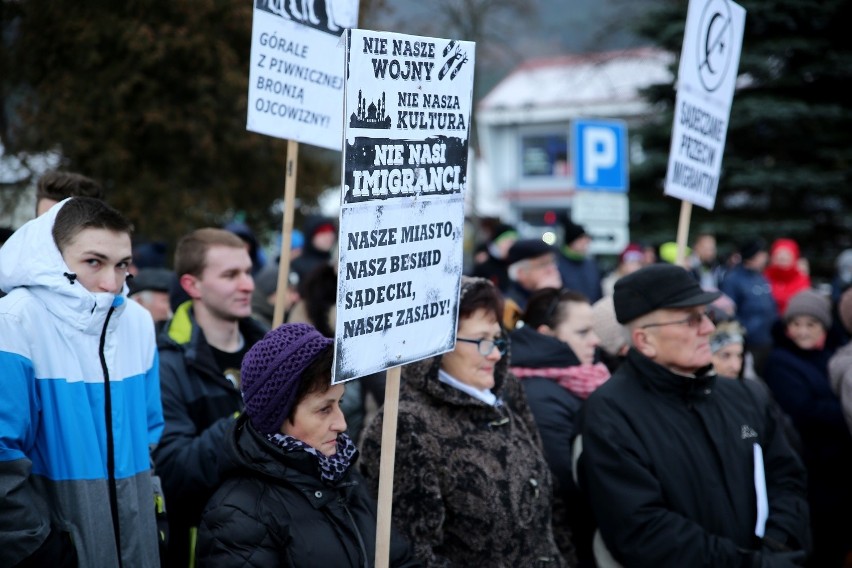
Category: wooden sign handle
[286,232]
[389,419]
[683,232]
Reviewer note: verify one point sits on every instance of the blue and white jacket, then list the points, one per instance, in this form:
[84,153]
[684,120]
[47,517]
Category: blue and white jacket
[79,409]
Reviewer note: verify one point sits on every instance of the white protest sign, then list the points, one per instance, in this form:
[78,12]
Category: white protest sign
[705,88]
[296,73]
[408,102]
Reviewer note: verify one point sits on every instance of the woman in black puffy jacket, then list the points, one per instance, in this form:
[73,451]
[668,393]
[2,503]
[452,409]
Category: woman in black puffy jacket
[290,496]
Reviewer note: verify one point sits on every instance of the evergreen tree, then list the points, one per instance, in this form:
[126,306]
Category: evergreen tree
[787,166]
[149,98]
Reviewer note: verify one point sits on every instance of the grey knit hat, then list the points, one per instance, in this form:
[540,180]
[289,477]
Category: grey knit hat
[809,303]
[271,372]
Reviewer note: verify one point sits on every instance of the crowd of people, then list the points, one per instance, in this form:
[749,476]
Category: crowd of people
[655,415]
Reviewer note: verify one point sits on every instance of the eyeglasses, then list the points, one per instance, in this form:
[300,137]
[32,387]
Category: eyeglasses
[486,346]
[694,320]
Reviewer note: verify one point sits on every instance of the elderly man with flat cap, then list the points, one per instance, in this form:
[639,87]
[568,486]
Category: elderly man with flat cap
[150,287]
[531,266]
[682,469]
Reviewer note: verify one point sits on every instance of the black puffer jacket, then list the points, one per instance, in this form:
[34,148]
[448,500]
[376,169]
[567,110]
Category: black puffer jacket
[669,464]
[555,409]
[272,509]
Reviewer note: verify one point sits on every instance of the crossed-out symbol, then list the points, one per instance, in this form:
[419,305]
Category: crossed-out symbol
[714,43]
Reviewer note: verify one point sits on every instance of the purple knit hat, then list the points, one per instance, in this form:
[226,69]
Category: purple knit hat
[272,369]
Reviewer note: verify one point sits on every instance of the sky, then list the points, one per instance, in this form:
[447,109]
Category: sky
[554,27]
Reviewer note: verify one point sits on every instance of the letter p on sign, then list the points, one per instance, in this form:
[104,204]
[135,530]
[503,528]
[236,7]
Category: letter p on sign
[599,149]
[600,155]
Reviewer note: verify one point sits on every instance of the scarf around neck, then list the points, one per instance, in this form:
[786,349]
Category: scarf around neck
[331,468]
[581,380]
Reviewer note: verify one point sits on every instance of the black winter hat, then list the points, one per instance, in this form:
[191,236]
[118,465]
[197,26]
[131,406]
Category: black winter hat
[155,279]
[572,231]
[655,287]
[502,229]
[527,248]
[750,248]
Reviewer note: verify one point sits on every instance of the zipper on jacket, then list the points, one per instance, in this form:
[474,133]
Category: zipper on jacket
[357,533]
[113,491]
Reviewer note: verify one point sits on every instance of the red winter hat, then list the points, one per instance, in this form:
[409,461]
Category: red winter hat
[631,253]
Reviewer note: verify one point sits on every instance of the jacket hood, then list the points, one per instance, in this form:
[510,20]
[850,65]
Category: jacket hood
[788,244]
[310,227]
[179,328]
[779,274]
[535,350]
[30,259]
[243,231]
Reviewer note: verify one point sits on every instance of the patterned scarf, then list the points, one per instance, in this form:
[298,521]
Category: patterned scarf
[582,380]
[331,468]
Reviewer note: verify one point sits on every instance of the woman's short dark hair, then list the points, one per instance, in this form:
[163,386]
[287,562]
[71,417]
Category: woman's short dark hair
[548,306]
[480,294]
[315,378]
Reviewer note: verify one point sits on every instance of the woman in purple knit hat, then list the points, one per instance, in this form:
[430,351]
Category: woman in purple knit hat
[290,495]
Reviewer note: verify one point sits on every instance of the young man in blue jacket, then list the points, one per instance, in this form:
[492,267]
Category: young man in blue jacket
[80,406]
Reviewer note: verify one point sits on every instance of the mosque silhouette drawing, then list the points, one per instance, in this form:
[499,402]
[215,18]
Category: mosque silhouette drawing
[370,116]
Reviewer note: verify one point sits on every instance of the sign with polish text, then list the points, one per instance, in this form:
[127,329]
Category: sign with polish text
[706,79]
[408,102]
[296,74]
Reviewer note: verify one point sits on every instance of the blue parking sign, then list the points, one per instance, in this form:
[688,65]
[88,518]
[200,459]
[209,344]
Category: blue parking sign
[599,151]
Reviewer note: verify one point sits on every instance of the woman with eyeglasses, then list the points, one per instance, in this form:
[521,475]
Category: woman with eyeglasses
[555,354]
[471,486]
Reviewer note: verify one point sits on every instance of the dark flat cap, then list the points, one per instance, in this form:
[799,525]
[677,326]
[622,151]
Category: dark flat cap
[155,279]
[527,248]
[656,287]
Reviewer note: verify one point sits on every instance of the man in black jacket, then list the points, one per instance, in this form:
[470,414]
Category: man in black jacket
[682,469]
[201,349]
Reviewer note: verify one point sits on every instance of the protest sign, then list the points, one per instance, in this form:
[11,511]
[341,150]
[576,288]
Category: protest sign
[296,74]
[408,102]
[705,88]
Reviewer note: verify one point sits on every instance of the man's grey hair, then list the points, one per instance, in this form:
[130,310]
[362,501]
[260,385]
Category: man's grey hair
[516,267]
